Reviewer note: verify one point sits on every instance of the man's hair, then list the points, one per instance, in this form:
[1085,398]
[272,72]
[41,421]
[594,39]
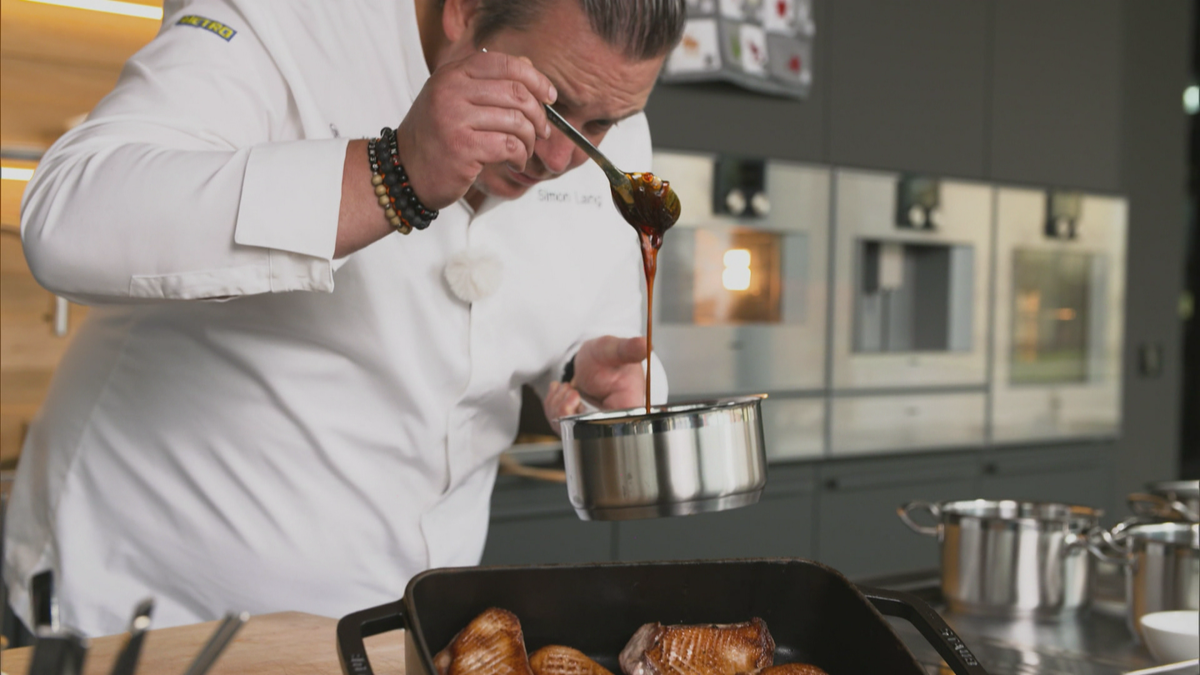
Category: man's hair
[641,29]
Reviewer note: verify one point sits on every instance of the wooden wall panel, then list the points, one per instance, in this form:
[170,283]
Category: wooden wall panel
[29,348]
[55,64]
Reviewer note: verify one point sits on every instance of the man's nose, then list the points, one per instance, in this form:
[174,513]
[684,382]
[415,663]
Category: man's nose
[556,151]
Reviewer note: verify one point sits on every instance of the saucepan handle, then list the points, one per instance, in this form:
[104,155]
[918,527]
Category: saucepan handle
[934,510]
[939,634]
[352,628]
[1111,546]
[1156,506]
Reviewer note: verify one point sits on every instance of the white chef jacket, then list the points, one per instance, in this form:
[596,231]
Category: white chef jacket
[307,450]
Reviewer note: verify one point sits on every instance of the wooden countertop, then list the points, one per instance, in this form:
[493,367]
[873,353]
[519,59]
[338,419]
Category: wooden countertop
[288,643]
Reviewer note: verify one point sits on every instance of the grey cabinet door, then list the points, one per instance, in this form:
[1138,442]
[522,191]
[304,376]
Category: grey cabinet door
[532,523]
[779,525]
[1056,93]
[1069,474]
[908,85]
[858,531]
[723,118]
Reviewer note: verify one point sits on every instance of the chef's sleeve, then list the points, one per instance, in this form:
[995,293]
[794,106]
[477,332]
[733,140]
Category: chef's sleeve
[180,184]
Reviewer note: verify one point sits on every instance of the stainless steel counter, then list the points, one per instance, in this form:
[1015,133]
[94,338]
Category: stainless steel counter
[1094,642]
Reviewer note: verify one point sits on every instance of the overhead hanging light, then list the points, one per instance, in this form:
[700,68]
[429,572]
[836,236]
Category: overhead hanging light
[109,6]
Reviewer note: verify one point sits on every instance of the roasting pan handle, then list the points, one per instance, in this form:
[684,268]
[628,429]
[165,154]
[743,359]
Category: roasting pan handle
[932,626]
[352,628]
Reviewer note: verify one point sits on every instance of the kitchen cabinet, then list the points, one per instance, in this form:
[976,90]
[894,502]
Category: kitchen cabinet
[1056,111]
[908,85]
[858,532]
[723,118]
[532,522]
[1072,474]
[779,525]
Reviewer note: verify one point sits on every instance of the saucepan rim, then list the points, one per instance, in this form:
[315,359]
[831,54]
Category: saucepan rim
[1022,511]
[632,421]
[1180,533]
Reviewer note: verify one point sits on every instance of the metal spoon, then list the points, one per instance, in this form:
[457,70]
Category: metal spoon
[621,182]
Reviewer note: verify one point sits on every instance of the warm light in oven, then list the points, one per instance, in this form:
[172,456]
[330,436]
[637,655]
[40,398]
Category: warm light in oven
[736,276]
[1065,314]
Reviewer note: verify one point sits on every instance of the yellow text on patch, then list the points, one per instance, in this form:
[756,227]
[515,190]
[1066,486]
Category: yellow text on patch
[215,27]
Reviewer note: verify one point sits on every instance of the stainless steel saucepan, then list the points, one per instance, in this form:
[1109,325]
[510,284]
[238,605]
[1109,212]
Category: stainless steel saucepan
[1162,567]
[1012,558]
[677,460]
[1177,500]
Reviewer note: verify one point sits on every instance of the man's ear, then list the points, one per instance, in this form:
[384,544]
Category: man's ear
[458,18]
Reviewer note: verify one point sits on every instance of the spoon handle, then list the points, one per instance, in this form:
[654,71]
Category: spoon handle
[615,176]
[216,644]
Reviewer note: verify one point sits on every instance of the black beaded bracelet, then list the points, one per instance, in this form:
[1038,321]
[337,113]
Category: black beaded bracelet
[401,206]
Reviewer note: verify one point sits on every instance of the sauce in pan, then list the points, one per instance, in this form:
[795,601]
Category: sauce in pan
[651,207]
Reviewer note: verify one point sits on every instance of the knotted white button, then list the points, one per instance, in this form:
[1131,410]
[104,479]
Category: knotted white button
[473,274]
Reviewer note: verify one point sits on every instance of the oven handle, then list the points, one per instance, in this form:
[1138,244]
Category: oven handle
[352,628]
[935,630]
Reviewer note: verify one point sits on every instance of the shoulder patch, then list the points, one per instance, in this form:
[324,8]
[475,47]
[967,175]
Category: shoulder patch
[215,27]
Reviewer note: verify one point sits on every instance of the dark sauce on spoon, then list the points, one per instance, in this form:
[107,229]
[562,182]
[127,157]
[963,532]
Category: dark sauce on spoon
[651,207]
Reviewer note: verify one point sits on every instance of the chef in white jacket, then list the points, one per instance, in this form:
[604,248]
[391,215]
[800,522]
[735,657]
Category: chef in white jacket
[278,401]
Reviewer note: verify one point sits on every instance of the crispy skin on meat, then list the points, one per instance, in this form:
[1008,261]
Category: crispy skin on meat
[726,649]
[560,660]
[791,669]
[492,644]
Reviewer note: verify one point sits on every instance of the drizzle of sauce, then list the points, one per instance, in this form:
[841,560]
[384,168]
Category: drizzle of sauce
[651,207]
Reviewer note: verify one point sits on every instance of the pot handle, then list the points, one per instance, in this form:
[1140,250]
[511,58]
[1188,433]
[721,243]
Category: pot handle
[1098,538]
[935,629]
[933,509]
[352,628]
[1156,506]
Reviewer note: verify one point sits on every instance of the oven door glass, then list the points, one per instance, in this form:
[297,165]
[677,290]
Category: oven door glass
[913,297]
[733,276]
[1052,292]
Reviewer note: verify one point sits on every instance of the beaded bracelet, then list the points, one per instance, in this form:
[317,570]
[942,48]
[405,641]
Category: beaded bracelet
[400,204]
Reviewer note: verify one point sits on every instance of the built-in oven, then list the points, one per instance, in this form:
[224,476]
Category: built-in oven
[1060,277]
[911,286]
[740,297]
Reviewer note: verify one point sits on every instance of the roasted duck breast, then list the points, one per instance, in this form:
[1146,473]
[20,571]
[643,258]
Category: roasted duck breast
[560,660]
[715,649]
[492,644]
[791,669]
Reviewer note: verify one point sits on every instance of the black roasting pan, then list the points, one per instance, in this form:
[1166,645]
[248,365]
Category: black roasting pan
[814,613]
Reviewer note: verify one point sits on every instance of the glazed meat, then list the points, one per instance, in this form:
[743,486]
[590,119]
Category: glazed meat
[727,649]
[791,669]
[492,644]
[560,660]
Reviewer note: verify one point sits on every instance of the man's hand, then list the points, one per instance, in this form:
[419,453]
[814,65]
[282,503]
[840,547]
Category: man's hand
[484,109]
[608,372]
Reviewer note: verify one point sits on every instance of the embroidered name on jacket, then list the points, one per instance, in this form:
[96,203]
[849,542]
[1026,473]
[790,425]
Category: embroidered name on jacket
[215,27]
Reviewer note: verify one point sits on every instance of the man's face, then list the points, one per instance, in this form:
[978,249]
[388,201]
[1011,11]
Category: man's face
[597,88]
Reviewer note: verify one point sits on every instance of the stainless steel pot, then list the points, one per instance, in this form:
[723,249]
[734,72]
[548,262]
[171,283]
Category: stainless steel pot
[1162,567]
[1168,500]
[1011,558]
[677,460]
